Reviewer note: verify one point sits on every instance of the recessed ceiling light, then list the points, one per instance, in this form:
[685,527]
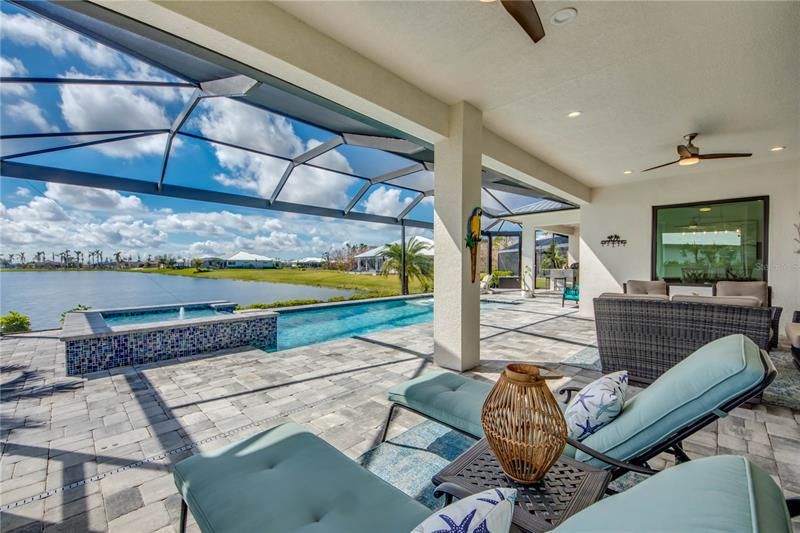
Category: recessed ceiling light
[705,209]
[628,172]
[777,148]
[564,16]
[573,114]
[488,1]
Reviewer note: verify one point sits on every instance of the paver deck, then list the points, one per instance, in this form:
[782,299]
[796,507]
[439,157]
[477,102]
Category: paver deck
[95,453]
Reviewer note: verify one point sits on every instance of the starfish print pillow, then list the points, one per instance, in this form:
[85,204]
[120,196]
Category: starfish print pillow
[597,404]
[489,511]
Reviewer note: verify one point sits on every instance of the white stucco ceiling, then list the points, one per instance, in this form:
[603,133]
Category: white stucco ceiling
[642,73]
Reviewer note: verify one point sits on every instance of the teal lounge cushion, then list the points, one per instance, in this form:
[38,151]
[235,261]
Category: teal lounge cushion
[722,494]
[710,377]
[447,397]
[286,479]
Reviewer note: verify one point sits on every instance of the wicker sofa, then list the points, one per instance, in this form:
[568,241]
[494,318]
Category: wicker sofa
[647,336]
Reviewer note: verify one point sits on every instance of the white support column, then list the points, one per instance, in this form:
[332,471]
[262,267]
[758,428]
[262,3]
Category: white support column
[573,246]
[456,315]
[529,255]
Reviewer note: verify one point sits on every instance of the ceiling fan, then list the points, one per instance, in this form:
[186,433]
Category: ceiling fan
[524,12]
[689,154]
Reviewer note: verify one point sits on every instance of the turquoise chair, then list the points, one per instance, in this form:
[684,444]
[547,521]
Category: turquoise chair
[571,293]
[724,493]
[702,388]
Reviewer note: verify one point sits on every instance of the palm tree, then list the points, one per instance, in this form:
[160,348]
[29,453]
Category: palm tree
[78,257]
[99,255]
[40,257]
[67,257]
[21,257]
[117,257]
[418,266]
[11,258]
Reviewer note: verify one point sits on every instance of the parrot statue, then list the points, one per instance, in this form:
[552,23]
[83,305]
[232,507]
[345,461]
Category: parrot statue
[473,237]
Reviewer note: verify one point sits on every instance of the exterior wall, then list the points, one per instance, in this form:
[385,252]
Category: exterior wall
[627,211]
[106,351]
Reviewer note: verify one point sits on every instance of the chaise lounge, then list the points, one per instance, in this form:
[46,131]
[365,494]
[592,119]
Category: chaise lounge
[702,388]
[288,480]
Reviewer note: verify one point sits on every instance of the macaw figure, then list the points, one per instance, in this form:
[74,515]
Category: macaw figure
[473,237]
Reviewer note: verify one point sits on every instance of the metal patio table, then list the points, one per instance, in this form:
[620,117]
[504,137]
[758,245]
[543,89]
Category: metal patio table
[569,486]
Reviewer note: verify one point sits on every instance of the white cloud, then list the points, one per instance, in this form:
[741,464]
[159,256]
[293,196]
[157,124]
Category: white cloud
[92,199]
[216,223]
[230,121]
[38,209]
[385,201]
[22,192]
[13,67]
[97,108]
[25,111]
[28,30]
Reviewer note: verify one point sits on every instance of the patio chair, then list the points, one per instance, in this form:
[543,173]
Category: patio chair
[702,388]
[754,289]
[724,493]
[571,293]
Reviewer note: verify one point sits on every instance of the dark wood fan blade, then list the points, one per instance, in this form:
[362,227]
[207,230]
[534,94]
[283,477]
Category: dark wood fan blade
[659,166]
[722,156]
[683,151]
[524,12]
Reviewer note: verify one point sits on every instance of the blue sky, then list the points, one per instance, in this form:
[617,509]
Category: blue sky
[38,216]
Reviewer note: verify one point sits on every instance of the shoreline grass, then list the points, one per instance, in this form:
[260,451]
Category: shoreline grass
[374,286]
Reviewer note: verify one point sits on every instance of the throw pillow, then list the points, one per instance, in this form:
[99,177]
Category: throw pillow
[597,404]
[489,511]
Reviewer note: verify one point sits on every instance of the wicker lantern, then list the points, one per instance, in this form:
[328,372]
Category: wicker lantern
[523,424]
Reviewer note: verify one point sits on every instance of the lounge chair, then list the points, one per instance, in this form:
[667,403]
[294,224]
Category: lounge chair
[697,391]
[723,493]
[288,480]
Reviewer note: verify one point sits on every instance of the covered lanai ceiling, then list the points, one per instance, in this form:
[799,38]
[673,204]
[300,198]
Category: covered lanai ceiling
[339,147]
[642,74]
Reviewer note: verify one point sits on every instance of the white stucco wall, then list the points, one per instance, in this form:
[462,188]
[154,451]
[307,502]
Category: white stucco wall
[627,211]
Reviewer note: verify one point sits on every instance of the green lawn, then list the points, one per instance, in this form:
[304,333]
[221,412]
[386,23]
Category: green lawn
[364,283]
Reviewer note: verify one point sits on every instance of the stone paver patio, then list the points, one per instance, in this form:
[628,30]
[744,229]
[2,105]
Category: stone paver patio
[94,454]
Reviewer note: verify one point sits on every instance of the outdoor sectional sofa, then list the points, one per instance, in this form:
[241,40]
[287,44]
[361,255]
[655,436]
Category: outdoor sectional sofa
[647,336]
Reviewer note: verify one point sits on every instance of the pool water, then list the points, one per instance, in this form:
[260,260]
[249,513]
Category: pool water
[300,328]
[146,317]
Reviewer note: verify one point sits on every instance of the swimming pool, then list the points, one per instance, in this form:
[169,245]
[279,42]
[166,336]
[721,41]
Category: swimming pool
[311,326]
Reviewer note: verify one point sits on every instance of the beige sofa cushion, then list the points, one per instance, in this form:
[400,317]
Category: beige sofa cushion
[754,289]
[646,287]
[793,333]
[663,297]
[744,301]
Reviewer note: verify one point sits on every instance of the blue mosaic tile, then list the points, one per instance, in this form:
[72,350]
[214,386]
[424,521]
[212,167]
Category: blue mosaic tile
[136,348]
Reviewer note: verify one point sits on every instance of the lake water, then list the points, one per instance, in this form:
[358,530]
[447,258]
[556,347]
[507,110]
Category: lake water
[43,296]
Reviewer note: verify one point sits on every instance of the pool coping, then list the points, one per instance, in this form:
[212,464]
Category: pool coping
[326,305]
[90,324]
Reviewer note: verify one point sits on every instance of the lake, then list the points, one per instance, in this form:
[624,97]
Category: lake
[43,296]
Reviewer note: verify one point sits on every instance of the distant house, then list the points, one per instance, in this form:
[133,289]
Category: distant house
[211,262]
[310,262]
[372,260]
[248,260]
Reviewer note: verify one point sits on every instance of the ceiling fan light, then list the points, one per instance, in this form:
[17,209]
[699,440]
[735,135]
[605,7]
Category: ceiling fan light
[688,161]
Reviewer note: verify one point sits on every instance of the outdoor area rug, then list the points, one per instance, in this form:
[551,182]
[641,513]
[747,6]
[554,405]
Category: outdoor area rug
[784,391]
[411,459]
